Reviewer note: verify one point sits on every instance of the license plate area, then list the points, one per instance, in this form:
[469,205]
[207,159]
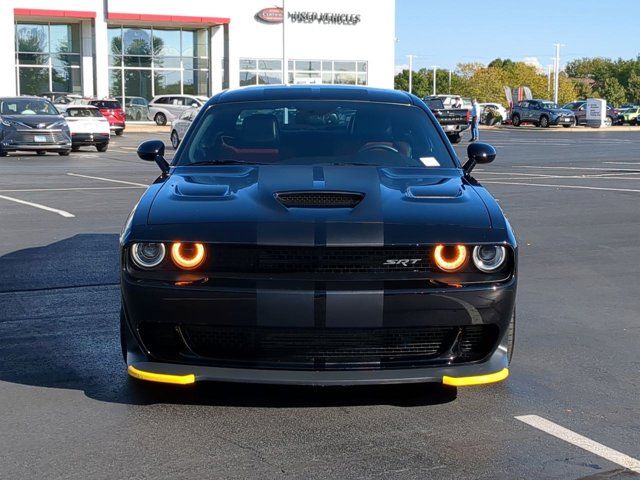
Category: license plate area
[40,138]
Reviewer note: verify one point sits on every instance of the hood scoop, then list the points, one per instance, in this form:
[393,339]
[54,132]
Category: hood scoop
[319,199]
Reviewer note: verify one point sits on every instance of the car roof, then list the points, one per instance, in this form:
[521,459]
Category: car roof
[313,92]
[80,105]
[24,97]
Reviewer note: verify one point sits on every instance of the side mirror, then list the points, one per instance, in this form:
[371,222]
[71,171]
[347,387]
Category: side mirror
[153,151]
[194,105]
[478,153]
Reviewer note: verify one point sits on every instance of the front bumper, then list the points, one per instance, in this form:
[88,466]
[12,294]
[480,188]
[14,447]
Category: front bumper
[563,120]
[79,139]
[330,309]
[35,140]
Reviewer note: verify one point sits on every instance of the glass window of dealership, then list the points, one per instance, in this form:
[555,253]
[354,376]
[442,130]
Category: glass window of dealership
[148,61]
[48,58]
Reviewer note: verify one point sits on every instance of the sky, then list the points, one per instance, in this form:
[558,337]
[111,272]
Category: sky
[445,33]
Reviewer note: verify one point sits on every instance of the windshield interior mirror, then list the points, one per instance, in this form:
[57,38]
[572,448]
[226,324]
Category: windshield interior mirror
[153,151]
[478,153]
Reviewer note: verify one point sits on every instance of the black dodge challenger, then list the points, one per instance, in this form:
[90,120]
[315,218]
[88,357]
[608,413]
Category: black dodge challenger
[323,235]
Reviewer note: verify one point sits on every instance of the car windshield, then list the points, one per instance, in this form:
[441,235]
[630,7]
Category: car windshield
[83,112]
[106,104]
[27,106]
[315,132]
[434,104]
[549,105]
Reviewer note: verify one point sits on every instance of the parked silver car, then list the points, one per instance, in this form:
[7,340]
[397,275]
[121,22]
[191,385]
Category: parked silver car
[136,108]
[32,124]
[180,126]
[167,108]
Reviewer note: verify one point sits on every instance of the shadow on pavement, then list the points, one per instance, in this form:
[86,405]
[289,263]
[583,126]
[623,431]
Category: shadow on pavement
[59,329]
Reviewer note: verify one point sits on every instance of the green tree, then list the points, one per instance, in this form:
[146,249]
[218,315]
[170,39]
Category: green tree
[420,86]
[611,90]
[633,88]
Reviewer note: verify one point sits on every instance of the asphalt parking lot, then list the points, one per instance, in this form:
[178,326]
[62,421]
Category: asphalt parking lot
[68,409]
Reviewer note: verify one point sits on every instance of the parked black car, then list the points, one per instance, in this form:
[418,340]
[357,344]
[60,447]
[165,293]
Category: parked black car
[32,124]
[324,236]
[541,113]
[579,109]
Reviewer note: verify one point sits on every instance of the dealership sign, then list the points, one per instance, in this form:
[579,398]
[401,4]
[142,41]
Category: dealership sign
[326,18]
[270,15]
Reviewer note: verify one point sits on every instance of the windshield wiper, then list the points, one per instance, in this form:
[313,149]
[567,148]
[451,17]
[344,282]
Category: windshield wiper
[222,162]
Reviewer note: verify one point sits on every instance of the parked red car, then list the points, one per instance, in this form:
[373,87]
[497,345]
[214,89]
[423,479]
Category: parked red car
[112,111]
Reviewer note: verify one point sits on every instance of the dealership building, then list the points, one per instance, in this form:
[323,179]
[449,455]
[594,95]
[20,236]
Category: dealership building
[142,48]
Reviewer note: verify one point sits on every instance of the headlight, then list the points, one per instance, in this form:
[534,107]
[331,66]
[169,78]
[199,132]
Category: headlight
[450,258]
[187,255]
[489,258]
[147,255]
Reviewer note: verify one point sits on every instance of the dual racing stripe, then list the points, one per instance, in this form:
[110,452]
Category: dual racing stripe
[323,305]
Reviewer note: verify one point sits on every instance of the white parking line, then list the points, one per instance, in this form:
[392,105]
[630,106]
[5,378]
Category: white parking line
[70,189]
[107,180]
[580,187]
[579,168]
[624,163]
[581,441]
[41,207]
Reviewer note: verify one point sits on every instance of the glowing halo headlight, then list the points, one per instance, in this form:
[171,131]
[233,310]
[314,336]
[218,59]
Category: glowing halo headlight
[147,254]
[489,258]
[450,258]
[187,255]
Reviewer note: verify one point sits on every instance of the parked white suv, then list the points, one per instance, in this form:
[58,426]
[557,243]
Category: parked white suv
[166,108]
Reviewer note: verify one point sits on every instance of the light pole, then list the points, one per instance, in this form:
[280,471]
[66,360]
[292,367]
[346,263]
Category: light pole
[449,81]
[557,73]
[410,73]
[435,68]
[549,78]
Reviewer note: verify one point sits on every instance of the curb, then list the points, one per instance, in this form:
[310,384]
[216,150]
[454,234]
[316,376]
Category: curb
[579,129]
[146,128]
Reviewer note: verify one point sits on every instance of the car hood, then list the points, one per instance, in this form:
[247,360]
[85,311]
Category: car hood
[34,121]
[561,111]
[397,203]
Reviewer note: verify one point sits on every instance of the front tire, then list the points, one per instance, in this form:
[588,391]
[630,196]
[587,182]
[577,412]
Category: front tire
[75,148]
[544,121]
[608,121]
[160,119]
[455,138]
[41,152]
[64,153]
[515,120]
[102,147]
[3,153]
[119,132]
[175,141]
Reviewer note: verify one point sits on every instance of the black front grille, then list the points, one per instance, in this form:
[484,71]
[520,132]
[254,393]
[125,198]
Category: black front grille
[278,260]
[318,348]
[30,137]
[319,199]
